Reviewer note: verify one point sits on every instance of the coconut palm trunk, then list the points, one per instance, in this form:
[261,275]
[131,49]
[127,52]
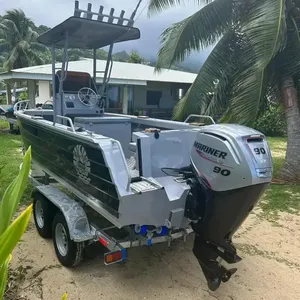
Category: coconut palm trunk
[291,168]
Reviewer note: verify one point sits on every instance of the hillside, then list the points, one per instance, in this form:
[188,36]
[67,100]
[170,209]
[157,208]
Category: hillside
[77,54]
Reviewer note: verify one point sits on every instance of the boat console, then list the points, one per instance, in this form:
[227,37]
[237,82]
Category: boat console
[80,96]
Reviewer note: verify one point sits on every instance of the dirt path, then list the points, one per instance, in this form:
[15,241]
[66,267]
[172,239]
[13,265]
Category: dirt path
[270,269]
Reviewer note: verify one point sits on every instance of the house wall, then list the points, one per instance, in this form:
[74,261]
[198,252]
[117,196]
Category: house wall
[167,101]
[43,94]
[136,96]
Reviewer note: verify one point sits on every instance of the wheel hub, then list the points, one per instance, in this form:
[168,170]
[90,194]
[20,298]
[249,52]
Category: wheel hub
[39,213]
[61,239]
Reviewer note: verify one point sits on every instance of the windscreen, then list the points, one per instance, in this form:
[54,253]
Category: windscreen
[74,82]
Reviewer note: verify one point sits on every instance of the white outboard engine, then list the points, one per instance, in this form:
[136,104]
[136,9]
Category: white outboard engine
[231,167]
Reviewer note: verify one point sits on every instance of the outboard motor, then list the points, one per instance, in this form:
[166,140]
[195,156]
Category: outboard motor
[232,167]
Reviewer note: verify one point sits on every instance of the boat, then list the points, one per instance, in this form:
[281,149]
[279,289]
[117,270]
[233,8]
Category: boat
[154,176]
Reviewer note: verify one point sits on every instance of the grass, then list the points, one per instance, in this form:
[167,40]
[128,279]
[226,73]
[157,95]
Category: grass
[278,146]
[278,198]
[10,159]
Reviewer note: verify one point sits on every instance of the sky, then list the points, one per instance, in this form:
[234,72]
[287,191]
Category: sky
[52,12]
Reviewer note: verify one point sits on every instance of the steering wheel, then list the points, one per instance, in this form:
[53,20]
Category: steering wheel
[84,95]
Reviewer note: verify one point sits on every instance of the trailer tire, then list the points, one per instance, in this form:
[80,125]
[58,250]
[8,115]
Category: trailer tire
[68,252]
[43,214]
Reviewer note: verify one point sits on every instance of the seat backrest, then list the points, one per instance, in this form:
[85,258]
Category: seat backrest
[171,149]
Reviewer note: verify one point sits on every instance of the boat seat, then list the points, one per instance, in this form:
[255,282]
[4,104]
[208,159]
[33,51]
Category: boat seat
[167,149]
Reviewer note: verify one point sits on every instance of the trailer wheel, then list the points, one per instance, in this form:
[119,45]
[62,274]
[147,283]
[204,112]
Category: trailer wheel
[68,252]
[43,213]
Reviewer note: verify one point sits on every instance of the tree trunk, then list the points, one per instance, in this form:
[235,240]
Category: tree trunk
[291,168]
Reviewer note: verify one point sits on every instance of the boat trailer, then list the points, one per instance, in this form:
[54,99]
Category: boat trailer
[84,230]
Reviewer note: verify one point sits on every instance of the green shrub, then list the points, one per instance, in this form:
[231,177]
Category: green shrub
[23,96]
[272,122]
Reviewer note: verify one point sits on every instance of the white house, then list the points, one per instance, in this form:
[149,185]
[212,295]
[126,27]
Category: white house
[131,86]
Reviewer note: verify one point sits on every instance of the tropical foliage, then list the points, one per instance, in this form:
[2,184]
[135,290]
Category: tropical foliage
[256,58]
[272,122]
[10,233]
[19,41]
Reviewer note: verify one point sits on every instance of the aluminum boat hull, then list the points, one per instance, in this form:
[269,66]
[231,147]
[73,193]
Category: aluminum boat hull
[56,151]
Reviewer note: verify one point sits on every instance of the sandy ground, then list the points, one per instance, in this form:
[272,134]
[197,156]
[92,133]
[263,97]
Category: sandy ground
[270,269]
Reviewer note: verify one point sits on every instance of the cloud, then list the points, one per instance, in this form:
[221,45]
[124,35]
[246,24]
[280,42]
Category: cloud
[52,12]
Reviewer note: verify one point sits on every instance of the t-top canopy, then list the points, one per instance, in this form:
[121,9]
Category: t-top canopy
[88,34]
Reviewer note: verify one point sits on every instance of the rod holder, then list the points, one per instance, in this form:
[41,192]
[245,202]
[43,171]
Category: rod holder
[103,17]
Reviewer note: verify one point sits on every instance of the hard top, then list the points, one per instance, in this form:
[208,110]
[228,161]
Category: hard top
[87,33]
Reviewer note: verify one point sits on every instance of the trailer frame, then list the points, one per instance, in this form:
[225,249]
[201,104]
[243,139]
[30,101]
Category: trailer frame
[83,231]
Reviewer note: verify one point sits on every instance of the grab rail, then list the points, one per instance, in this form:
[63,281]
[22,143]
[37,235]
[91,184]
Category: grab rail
[124,161]
[199,116]
[68,119]
[18,104]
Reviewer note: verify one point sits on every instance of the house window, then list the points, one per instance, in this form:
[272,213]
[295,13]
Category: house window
[113,96]
[153,97]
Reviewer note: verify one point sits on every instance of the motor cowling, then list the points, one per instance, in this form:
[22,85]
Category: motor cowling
[233,166]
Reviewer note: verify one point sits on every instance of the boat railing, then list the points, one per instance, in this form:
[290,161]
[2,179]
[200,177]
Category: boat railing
[18,105]
[199,116]
[67,119]
[124,162]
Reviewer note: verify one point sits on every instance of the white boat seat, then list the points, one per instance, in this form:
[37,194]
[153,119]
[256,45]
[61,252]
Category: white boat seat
[171,149]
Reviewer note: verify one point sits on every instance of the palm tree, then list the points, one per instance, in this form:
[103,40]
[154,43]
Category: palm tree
[256,58]
[18,42]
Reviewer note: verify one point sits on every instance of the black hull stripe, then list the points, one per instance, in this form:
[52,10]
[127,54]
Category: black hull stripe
[50,153]
[34,136]
[55,151]
[75,178]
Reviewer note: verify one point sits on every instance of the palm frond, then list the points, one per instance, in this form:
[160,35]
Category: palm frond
[196,32]
[23,45]
[10,62]
[265,27]
[10,27]
[156,6]
[287,62]
[249,89]
[39,47]
[34,57]
[220,98]
[31,35]
[213,70]
[18,21]
[4,47]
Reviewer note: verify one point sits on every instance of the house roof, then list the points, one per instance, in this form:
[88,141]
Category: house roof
[122,73]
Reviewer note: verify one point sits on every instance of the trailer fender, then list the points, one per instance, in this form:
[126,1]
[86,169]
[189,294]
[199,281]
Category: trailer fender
[76,218]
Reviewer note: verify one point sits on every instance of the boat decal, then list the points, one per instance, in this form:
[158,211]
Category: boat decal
[82,163]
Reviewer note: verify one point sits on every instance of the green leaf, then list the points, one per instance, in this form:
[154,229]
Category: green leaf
[265,26]
[13,193]
[199,94]
[64,297]
[249,89]
[3,275]
[12,235]
[160,5]
[202,29]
